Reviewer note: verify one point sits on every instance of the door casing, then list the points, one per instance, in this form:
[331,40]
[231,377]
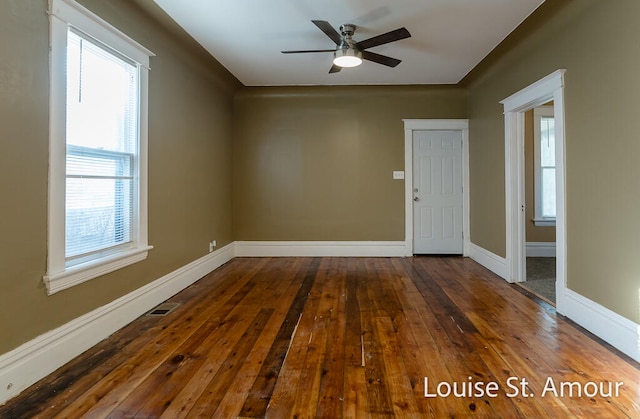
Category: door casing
[548,88]
[411,125]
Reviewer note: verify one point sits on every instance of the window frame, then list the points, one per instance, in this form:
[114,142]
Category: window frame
[538,113]
[64,14]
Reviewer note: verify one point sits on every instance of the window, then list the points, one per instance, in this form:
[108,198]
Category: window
[545,166]
[98,117]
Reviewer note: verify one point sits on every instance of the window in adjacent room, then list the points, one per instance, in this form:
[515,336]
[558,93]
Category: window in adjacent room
[545,166]
[98,116]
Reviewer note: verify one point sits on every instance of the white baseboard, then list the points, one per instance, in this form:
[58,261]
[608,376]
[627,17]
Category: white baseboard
[496,264]
[618,331]
[611,327]
[33,360]
[320,248]
[540,249]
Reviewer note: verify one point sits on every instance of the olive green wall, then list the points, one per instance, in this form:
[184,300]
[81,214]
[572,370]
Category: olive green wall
[190,119]
[597,43]
[315,163]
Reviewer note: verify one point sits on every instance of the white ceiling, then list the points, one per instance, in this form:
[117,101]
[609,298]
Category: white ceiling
[449,37]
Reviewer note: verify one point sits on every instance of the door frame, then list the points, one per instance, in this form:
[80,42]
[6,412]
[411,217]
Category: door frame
[411,125]
[542,91]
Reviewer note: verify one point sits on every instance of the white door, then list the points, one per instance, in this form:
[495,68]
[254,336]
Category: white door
[437,192]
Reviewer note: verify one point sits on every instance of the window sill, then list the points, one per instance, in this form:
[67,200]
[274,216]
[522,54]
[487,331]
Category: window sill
[78,274]
[544,222]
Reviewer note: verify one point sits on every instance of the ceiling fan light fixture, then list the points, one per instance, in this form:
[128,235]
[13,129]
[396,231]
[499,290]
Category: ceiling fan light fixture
[347,57]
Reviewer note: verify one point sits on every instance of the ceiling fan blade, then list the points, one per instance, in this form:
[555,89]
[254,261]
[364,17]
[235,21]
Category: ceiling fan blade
[385,38]
[308,50]
[334,69]
[380,59]
[328,30]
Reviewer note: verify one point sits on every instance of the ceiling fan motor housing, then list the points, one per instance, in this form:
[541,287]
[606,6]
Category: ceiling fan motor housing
[347,30]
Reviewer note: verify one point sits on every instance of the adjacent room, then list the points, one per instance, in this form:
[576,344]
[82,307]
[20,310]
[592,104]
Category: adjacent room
[342,209]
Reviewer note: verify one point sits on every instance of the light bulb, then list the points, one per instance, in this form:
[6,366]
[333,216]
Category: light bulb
[347,57]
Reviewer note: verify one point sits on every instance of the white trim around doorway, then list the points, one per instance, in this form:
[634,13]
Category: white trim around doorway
[411,125]
[544,90]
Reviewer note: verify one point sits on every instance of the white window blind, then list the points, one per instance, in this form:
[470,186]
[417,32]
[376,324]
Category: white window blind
[547,167]
[101,149]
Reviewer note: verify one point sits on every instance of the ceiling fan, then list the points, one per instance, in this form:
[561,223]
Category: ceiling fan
[349,53]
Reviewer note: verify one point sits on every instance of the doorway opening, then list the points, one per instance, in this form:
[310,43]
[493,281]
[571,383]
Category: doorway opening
[540,202]
[547,90]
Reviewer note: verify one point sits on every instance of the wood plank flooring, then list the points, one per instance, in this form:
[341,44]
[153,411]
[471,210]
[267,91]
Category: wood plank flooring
[344,337]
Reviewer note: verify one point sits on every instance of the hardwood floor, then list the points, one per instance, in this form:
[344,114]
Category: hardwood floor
[344,337]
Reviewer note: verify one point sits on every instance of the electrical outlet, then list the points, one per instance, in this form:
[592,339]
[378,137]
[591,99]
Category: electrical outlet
[212,245]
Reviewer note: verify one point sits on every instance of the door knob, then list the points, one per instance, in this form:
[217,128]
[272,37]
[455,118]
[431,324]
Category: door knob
[415,198]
